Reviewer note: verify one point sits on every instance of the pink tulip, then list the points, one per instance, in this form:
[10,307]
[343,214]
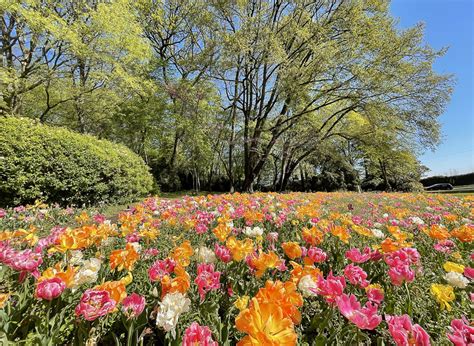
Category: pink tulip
[445,246]
[132,238]
[364,318]
[222,253]
[24,261]
[50,289]
[462,334]
[198,335]
[19,209]
[317,255]
[400,263]
[161,268]
[100,218]
[404,332]
[356,275]
[6,252]
[151,252]
[400,274]
[207,279]
[272,236]
[201,228]
[469,273]
[403,256]
[375,256]
[230,291]
[375,295]
[94,304]
[356,256]
[50,239]
[281,266]
[331,288]
[133,305]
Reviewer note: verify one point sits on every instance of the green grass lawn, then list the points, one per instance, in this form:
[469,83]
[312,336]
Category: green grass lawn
[460,190]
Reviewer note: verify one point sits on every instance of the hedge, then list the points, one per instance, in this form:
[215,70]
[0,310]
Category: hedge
[462,179]
[56,165]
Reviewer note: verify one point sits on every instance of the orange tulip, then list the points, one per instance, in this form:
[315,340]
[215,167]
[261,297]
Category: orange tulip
[313,236]
[292,249]
[69,241]
[6,235]
[283,295]
[182,254]
[222,231]
[450,217]
[438,232]
[264,261]
[82,218]
[181,283]
[265,324]
[299,271]
[3,299]
[116,290]
[465,233]
[390,245]
[67,276]
[340,232]
[124,258]
[239,248]
[362,231]
[253,216]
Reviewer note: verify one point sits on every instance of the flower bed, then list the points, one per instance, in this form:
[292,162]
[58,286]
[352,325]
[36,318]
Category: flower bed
[261,269]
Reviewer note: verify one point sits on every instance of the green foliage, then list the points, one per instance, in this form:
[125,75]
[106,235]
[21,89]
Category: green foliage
[462,179]
[58,165]
[226,93]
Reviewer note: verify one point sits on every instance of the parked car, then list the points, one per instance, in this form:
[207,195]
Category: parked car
[440,186]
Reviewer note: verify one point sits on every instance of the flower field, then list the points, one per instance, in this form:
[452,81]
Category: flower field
[259,269]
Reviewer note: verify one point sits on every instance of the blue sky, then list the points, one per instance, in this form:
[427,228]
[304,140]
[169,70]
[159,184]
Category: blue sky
[448,23]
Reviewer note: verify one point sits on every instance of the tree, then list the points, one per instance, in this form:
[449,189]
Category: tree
[79,59]
[281,60]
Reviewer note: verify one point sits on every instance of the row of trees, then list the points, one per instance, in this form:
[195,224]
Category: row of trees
[228,94]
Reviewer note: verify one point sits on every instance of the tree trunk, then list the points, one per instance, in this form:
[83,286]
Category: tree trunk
[384,175]
[175,150]
[232,132]
[275,173]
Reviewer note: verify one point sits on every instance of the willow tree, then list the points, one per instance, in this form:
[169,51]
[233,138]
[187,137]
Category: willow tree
[281,60]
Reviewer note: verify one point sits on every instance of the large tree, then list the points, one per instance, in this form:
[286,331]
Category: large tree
[281,60]
[70,63]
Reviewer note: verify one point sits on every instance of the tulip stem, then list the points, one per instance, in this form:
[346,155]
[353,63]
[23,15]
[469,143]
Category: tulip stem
[409,298]
[131,332]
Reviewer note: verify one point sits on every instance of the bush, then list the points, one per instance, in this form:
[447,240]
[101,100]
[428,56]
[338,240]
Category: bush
[462,179]
[57,165]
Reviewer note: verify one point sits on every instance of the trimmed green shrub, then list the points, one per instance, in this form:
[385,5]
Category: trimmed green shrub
[57,165]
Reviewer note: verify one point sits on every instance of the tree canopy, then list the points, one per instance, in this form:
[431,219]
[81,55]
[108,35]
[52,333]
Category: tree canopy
[230,95]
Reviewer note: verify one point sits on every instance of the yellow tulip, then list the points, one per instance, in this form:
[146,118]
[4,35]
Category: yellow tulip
[453,267]
[443,295]
[242,302]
